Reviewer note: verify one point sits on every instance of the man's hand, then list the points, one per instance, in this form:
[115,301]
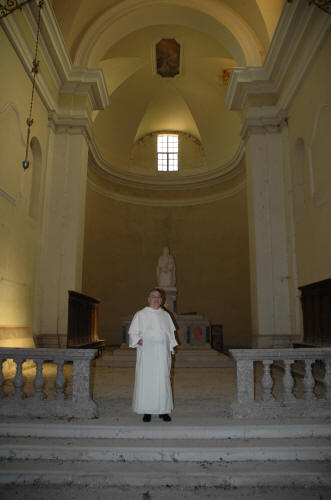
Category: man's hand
[140,342]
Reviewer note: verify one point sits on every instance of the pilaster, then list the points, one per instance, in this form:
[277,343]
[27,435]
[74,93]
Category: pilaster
[63,221]
[269,269]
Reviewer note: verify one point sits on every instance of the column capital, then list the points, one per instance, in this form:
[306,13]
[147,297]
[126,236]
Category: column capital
[263,120]
[72,121]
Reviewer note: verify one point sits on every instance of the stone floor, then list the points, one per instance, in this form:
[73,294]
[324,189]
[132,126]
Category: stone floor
[206,392]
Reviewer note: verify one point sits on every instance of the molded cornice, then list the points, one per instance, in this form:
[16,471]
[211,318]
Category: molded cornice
[173,202]
[263,120]
[67,120]
[301,26]
[65,77]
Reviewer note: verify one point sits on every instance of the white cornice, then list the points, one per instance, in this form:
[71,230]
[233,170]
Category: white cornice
[65,77]
[67,120]
[263,120]
[290,29]
[221,174]
[244,81]
[156,202]
[299,23]
[26,56]
[317,35]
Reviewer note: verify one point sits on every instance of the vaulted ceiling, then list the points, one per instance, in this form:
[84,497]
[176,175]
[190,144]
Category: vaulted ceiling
[120,37]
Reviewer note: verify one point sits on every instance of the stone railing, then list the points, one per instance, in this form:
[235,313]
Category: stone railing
[283,382]
[33,382]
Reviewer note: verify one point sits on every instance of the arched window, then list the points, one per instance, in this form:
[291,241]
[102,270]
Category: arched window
[298,180]
[167,152]
[36,165]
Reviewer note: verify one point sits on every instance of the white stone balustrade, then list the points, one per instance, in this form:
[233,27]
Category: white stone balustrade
[282,382]
[78,403]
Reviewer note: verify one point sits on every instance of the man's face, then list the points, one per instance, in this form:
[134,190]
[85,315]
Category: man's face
[155,300]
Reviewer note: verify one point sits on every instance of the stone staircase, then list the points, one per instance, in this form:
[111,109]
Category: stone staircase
[227,456]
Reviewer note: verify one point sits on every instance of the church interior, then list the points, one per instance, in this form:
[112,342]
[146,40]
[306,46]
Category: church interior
[246,214]
[202,126]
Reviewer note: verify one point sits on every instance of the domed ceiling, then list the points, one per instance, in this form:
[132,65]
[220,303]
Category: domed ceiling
[212,36]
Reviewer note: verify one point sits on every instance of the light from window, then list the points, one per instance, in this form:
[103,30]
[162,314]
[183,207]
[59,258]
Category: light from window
[167,153]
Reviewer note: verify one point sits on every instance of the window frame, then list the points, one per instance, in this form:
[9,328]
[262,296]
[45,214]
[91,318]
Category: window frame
[167,152]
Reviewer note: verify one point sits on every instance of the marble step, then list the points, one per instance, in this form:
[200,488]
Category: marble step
[223,475]
[157,429]
[165,450]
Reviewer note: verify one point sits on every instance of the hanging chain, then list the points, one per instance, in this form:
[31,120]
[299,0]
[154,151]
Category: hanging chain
[34,70]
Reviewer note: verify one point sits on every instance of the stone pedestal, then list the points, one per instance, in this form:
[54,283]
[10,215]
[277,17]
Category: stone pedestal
[170,298]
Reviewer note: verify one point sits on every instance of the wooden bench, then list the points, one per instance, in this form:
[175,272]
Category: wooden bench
[83,322]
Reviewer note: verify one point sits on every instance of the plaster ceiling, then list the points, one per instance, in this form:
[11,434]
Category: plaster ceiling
[120,37]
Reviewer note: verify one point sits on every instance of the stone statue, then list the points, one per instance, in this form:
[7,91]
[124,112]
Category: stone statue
[166,270]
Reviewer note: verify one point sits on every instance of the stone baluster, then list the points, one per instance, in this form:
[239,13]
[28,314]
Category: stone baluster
[288,381]
[19,380]
[245,381]
[267,382]
[39,380]
[309,381]
[59,380]
[1,377]
[327,379]
[82,377]
[19,404]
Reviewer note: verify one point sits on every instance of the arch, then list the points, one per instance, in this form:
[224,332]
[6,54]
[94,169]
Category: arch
[219,21]
[298,180]
[36,177]
[9,106]
[11,153]
[319,152]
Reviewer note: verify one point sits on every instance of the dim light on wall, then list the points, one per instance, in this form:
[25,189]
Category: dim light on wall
[16,336]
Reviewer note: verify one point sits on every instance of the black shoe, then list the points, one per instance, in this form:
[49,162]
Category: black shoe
[165,417]
[147,417]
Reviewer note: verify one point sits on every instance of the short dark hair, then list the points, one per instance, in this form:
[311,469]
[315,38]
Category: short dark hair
[161,292]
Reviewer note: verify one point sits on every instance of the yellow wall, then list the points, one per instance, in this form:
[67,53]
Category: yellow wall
[313,227]
[210,246]
[18,221]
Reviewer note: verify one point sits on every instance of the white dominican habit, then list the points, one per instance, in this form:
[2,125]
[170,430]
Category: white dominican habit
[152,391]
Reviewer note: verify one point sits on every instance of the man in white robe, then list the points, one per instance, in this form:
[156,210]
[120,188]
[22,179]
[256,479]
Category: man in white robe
[152,333]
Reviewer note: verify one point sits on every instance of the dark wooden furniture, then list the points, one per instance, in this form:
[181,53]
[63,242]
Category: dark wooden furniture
[316,310]
[83,322]
[217,337]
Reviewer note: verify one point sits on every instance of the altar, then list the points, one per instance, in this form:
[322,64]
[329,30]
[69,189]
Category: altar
[192,330]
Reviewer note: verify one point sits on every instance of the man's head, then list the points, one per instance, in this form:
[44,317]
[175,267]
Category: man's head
[155,298]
